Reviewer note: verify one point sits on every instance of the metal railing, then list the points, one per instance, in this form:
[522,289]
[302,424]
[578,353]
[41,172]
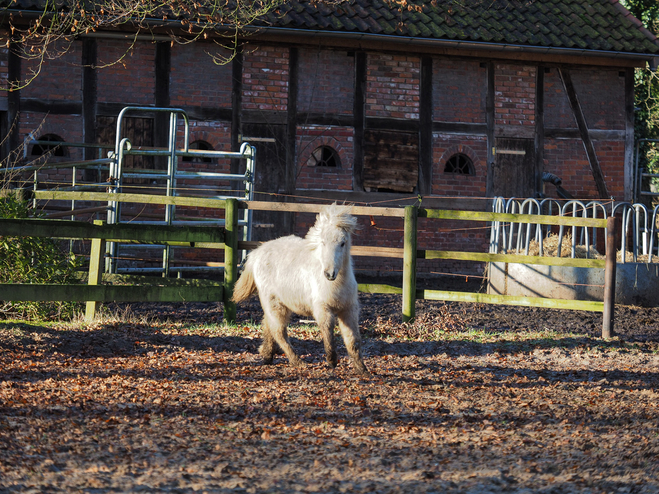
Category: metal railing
[119,175]
[119,172]
[639,226]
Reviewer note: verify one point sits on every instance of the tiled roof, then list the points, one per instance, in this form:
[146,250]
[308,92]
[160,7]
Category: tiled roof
[602,25]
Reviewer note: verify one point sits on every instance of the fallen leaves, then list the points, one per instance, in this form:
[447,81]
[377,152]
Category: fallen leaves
[170,406]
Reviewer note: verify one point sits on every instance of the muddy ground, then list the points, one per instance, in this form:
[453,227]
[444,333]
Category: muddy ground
[470,398]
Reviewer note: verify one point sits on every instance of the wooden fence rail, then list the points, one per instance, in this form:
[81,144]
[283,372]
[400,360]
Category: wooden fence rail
[163,290]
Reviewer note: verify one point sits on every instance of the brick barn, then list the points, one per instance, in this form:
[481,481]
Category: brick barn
[373,103]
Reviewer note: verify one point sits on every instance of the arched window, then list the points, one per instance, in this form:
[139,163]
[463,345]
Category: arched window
[326,157]
[203,146]
[459,164]
[52,149]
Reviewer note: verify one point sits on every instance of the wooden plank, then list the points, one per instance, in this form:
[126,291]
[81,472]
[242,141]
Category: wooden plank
[194,236]
[109,293]
[513,259]
[199,202]
[595,168]
[317,208]
[369,251]
[375,288]
[485,298]
[446,214]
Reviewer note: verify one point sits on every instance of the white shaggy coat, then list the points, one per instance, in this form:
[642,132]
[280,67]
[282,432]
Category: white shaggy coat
[312,277]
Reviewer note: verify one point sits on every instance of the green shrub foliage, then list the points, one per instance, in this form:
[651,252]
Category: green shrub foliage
[33,260]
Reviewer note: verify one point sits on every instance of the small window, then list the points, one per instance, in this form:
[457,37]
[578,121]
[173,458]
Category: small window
[52,149]
[459,164]
[324,156]
[200,145]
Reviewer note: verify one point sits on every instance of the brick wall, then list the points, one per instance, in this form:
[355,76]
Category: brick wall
[326,81]
[265,79]
[311,137]
[459,91]
[514,96]
[195,80]
[62,81]
[567,159]
[453,184]
[130,76]
[392,86]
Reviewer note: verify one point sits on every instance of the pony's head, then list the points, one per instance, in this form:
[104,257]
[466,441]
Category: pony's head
[330,237]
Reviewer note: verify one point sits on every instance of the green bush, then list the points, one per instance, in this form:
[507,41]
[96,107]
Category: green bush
[33,260]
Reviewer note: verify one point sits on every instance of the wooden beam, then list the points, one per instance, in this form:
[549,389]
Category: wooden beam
[585,136]
[512,258]
[236,105]
[486,298]
[629,136]
[489,116]
[109,293]
[425,127]
[539,129]
[194,235]
[291,122]
[89,99]
[358,114]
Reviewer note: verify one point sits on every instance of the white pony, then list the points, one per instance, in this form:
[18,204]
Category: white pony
[309,276]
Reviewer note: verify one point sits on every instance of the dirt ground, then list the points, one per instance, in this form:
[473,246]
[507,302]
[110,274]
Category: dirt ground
[470,398]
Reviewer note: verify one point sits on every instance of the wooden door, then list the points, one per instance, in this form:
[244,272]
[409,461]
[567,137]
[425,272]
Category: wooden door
[513,171]
[270,180]
[391,161]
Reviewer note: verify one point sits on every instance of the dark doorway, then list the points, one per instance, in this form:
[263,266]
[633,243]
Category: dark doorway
[270,181]
[513,170]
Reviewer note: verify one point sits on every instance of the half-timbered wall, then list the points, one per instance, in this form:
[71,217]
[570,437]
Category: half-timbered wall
[348,124]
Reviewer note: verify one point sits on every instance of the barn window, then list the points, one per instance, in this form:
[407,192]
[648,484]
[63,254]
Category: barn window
[326,157]
[459,164]
[52,149]
[200,145]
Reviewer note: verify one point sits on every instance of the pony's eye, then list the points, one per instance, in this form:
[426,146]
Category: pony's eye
[343,244]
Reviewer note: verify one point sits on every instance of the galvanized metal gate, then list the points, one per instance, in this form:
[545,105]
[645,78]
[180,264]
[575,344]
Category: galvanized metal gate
[119,174]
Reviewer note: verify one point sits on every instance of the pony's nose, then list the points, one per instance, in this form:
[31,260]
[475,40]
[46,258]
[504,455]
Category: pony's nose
[330,275]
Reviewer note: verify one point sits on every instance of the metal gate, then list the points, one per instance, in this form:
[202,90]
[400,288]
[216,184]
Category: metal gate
[119,174]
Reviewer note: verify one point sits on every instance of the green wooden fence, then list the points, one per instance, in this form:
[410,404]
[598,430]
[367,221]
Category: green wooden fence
[123,289]
[168,290]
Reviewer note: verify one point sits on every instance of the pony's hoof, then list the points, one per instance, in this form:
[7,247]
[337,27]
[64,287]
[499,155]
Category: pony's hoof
[297,363]
[361,370]
[267,361]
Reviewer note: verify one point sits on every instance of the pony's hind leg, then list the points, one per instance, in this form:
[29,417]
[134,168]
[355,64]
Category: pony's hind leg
[275,321]
[349,326]
[268,346]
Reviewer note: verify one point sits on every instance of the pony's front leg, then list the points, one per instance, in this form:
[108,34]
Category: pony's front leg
[326,323]
[349,326]
[275,322]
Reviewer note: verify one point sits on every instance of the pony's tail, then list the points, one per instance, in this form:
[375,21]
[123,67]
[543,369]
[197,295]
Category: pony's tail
[245,285]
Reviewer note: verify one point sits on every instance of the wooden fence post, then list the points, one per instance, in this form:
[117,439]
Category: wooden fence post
[609,279]
[96,268]
[409,263]
[230,258]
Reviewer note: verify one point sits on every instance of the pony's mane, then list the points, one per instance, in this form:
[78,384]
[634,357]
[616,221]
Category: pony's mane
[333,216]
